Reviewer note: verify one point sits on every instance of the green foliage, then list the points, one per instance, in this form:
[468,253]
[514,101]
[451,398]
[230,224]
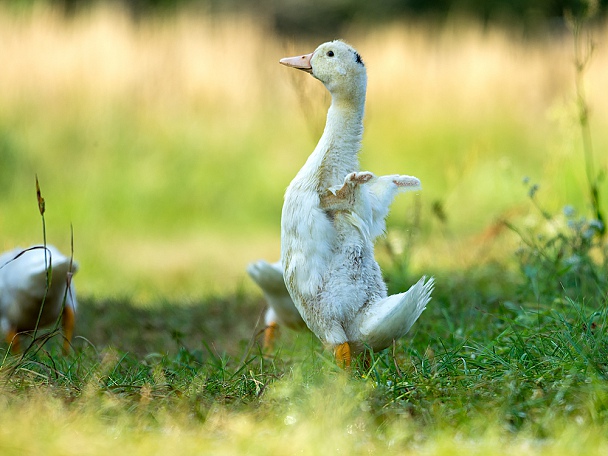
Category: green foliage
[520,357]
[511,369]
[565,257]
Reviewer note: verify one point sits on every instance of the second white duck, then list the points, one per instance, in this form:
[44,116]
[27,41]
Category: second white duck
[28,300]
[331,216]
[281,310]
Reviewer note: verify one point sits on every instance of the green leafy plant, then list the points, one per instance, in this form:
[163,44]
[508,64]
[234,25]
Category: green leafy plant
[568,257]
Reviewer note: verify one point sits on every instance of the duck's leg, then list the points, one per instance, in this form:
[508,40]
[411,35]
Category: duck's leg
[12,339]
[343,355]
[68,320]
[270,336]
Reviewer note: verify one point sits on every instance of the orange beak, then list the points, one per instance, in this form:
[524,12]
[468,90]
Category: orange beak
[301,62]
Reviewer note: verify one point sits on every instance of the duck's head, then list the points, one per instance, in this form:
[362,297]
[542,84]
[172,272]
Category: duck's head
[337,65]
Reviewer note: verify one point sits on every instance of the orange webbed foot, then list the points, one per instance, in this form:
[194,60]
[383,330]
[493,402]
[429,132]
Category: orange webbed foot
[270,334]
[68,321]
[12,339]
[343,355]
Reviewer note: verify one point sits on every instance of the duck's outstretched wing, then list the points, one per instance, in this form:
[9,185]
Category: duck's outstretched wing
[392,317]
[380,194]
[269,277]
[382,190]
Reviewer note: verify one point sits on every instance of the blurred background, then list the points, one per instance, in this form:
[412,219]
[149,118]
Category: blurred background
[164,133]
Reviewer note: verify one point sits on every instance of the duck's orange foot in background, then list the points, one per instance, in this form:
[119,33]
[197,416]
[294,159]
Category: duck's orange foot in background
[68,320]
[343,355]
[12,339]
[270,334]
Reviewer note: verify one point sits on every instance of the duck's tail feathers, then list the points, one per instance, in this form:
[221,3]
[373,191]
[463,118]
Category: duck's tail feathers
[269,277]
[393,316]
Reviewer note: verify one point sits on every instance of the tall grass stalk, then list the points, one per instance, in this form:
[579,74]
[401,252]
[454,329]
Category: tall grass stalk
[584,47]
[48,262]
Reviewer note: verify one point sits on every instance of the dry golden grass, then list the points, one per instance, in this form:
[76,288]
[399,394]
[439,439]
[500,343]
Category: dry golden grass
[327,419]
[230,62]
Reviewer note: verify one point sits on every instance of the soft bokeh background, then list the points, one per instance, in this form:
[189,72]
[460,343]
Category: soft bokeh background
[166,136]
[164,132]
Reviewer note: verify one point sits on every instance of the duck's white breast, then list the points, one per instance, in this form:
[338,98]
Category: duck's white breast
[307,240]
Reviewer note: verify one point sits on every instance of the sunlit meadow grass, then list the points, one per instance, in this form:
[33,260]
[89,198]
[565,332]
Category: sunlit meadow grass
[167,145]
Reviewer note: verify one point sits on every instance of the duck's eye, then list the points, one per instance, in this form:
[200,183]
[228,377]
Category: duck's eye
[330,53]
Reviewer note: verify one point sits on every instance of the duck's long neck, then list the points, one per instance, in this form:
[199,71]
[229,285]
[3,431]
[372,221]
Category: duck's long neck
[336,153]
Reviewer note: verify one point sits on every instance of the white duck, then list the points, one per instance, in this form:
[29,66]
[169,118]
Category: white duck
[281,309]
[23,290]
[331,216]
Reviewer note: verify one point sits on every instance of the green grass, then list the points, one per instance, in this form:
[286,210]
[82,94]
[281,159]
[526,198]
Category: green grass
[504,359]
[172,174]
[487,369]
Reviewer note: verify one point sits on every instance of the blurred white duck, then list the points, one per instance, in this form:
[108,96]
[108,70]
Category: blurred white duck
[331,216]
[23,288]
[281,309]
